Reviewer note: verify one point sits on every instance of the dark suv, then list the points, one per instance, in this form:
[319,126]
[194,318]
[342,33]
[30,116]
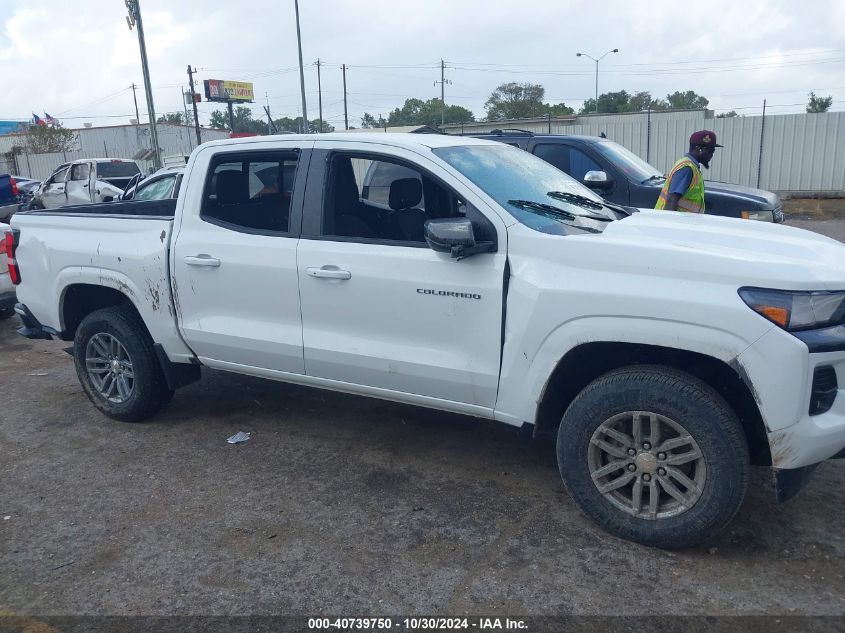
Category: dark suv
[624,178]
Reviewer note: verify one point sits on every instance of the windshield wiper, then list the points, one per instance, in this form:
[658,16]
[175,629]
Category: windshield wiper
[581,201]
[618,208]
[541,206]
[549,210]
[575,198]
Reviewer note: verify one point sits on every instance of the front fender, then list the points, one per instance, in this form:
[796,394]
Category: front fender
[525,374]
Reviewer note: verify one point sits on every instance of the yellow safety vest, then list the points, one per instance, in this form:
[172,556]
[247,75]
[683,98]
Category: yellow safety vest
[693,200]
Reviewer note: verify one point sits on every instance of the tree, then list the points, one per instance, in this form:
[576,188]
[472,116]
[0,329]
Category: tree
[688,100]
[514,100]
[48,139]
[244,123]
[419,112]
[559,109]
[727,115]
[286,124]
[609,102]
[522,101]
[369,121]
[818,104]
[175,118]
[622,101]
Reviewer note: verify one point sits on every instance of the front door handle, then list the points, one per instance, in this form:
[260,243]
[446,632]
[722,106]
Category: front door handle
[202,260]
[329,272]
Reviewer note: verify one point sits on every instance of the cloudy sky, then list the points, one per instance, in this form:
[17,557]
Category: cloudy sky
[76,60]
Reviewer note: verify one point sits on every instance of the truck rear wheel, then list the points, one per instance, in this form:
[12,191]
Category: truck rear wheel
[654,455]
[117,366]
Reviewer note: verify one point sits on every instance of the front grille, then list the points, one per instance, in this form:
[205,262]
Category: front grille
[824,389]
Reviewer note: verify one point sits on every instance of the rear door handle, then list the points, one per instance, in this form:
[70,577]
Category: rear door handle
[328,272]
[202,260]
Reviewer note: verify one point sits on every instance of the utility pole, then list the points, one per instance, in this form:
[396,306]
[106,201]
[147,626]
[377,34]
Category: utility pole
[185,102]
[134,19]
[135,99]
[760,157]
[443,81]
[270,119]
[194,102]
[345,115]
[301,69]
[231,117]
[320,95]
[185,108]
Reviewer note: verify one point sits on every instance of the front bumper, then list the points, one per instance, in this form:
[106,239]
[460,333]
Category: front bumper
[813,439]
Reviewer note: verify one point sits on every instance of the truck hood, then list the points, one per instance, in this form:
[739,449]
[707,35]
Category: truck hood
[766,199]
[701,247]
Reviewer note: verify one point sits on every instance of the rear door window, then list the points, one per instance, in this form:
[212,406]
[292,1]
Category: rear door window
[116,169]
[250,191]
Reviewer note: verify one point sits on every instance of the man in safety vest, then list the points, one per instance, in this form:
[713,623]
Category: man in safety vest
[684,186]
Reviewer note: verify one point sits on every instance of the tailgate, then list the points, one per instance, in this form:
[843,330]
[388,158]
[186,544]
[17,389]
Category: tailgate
[4,264]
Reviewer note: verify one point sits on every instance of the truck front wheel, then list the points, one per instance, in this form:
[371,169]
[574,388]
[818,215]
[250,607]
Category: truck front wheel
[117,366]
[654,455]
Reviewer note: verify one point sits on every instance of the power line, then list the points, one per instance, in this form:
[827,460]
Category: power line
[690,61]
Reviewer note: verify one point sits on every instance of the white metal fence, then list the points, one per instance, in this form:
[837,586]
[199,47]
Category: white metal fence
[783,152]
[123,141]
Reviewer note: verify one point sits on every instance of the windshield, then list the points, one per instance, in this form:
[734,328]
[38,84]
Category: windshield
[117,169]
[632,165]
[537,194]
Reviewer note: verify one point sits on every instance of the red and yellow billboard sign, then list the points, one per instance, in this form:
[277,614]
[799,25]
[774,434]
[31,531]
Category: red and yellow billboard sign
[220,90]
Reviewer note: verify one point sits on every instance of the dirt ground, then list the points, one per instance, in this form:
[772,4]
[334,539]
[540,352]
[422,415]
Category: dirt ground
[350,506]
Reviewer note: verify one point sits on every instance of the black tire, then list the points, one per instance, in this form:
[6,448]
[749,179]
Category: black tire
[702,413]
[149,391]
[6,313]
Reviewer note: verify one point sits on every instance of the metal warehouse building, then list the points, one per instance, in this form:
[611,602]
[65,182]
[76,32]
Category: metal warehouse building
[119,141]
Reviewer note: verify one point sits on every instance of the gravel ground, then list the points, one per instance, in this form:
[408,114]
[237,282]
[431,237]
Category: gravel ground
[346,505]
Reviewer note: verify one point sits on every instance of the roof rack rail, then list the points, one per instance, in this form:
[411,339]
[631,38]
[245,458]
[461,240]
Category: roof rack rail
[511,130]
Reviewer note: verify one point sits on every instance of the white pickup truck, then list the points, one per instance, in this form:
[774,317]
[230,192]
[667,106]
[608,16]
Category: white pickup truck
[669,352]
[84,181]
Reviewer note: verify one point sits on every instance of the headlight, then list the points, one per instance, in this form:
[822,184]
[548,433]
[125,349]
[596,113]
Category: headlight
[764,216]
[796,310]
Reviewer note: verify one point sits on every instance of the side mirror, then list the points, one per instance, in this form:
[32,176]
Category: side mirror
[597,180]
[455,236]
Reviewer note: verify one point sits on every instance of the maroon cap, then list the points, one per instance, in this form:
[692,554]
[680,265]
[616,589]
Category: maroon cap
[705,138]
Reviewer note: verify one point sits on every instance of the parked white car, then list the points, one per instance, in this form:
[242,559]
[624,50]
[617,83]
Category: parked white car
[161,185]
[85,181]
[668,351]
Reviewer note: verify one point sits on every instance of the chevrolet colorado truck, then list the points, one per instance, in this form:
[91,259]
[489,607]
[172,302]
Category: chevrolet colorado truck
[669,352]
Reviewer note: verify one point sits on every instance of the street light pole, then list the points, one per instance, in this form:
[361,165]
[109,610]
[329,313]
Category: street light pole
[134,20]
[615,50]
[301,69]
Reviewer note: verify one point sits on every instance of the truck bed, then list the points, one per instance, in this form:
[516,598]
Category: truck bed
[159,209]
[123,246]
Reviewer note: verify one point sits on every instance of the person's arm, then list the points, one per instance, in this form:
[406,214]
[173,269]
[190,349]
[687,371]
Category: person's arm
[672,201]
[681,180]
